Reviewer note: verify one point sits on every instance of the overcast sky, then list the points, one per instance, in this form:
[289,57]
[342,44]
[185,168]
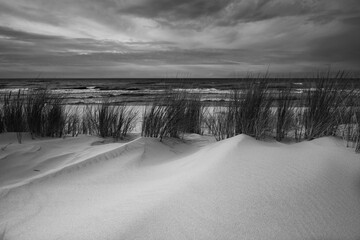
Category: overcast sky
[168,38]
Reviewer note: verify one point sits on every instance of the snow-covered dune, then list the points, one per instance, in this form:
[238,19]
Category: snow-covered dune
[238,188]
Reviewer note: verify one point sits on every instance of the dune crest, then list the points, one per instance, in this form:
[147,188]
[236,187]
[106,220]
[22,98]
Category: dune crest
[238,188]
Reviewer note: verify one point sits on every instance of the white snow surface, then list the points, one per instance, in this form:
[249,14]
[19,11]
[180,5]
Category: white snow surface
[239,188]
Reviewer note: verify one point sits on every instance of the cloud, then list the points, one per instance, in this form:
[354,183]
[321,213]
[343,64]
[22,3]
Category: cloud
[341,47]
[231,12]
[209,37]
[309,10]
[176,9]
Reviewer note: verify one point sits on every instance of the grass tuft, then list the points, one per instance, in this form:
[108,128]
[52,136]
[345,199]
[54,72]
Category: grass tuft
[36,102]
[220,123]
[324,105]
[13,112]
[107,120]
[253,111]
[285,114]
[172,115]
[248,112]
[56,117]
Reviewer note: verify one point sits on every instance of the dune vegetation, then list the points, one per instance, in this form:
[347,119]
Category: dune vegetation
[329,108]
[44,114]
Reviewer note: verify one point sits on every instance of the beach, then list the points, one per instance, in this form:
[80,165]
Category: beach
[196,188]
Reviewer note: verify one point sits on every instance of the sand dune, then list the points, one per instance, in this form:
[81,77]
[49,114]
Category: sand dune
[238,188]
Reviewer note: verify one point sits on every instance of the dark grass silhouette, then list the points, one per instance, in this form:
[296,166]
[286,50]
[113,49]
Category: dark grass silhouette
[35,111]
[323,111]
[1,122]
[194,114]
[173,114]
[73,124]
[55,118]
[107,120]
[324,106]
[328,108]
[165,117]
[253,110]
[13,116]
[247,112]
[285,113]
[220,123]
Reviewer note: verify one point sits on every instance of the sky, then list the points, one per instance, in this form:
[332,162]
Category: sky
[177,38]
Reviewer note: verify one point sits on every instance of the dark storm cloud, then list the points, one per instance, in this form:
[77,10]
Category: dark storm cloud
[252,11]
[175,9]
[19,42]
[328,49]
[31,49]
[233,11]
[203,37]
[29,13]
[308,10]
[11,39]
[24,36]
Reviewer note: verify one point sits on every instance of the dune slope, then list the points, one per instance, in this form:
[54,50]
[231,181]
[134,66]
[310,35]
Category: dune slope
[238,188]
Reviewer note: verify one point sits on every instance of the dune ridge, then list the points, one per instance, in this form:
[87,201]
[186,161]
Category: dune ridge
[146,189]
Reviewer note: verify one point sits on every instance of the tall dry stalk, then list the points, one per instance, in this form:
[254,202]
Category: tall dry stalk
[284,113]
[253,110]
[220,122]
[35,111]
[323,105]
[107,120]
[172,115]
[13,112]
[56,117]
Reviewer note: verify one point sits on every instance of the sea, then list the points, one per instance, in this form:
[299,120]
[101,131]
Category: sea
[143,91]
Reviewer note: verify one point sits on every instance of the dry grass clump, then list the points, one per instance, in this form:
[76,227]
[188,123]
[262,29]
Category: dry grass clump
[73,124]
[37,111]
[253,114]
[165,117]
[173,114]
[248,112]
[350,131]
[194,113]
[324,105]
[1,122]
[153,121]
[349,119]
[285,114]
[35,104]
[327,109]
[299,124]
[55,117]
[108,120]
[220,122]
[13,116]
[44,114]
